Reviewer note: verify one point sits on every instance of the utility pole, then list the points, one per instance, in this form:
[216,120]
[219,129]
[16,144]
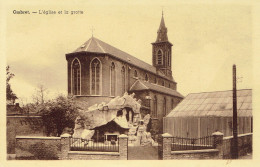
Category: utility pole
[235,142]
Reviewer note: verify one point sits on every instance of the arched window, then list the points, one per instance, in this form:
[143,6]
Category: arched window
[166,57]
[135,74]
[112,80]
[75,80]
[155,80]
[159,57]
[163,83]
[155,107]
[128,76]
[169,58]
[164,106]
[172,104]
[169,85]
[95,68]
[123,79]
[146,77]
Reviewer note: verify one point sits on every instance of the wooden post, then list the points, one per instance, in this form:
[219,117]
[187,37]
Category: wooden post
[235,142]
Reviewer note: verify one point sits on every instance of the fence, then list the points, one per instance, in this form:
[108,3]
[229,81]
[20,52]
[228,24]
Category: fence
[78,144]
[180,143]
[209,147]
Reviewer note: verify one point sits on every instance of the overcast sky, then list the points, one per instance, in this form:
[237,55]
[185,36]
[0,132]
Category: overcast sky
[207,40]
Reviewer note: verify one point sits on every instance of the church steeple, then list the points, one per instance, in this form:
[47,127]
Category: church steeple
[162,32]
[162,51]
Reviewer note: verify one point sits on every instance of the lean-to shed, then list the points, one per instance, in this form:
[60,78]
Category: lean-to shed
[201,114]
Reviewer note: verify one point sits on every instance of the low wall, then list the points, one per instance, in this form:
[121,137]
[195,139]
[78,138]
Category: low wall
[222,148]
[244,145]
[178,147]
[88,155]
[48,148]
[37,147]
[195,154]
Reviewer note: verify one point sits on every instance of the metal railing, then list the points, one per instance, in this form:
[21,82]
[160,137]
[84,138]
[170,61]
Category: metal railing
[181,143]
[78,144]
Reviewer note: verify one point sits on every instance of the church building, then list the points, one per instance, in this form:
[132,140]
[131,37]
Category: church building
[98,72]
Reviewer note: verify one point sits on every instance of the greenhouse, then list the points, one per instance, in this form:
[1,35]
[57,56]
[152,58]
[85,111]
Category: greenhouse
[201,114]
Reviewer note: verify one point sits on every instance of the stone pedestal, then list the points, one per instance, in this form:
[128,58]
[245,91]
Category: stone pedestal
[218,143]
[65,146]
[164,146]
[123,145]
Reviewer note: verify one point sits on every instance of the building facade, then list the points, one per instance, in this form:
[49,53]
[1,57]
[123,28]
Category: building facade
[98,72]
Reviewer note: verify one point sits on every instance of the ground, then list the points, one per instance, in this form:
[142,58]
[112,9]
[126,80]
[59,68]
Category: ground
[248,156]
[143,153]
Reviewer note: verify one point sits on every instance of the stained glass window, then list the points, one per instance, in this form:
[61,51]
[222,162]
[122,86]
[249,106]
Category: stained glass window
[159,57]
[112,80]
[135,74]
[76,77]
[123,79]
[146,77]
[95,77]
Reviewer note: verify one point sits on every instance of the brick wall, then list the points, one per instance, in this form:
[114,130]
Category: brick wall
[86,155]
[22,125]
[195,154]
[38,147]
[244,145]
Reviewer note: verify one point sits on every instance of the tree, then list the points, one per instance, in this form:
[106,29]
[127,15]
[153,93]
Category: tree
[40,95]
[10,95]
[58,114]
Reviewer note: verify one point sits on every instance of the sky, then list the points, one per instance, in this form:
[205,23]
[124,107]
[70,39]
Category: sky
[208,38]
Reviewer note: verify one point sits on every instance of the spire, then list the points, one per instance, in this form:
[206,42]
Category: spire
[162,31]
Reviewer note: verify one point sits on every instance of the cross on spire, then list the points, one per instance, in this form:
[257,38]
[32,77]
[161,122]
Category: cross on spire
[92,30]
[162,10]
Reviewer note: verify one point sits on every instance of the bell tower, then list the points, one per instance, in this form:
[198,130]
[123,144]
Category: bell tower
[162,50]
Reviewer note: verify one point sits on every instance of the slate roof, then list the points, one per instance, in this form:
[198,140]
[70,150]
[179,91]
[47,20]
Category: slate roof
[214,104]
[144,85]
[97,46]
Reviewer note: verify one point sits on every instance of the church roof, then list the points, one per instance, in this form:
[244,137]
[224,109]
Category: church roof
[218,104]
[97,46]
[144,85]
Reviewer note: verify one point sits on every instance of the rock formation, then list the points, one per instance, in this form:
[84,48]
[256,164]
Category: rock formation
[115,110]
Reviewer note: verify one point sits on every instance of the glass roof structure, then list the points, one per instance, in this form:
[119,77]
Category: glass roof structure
[218,104]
